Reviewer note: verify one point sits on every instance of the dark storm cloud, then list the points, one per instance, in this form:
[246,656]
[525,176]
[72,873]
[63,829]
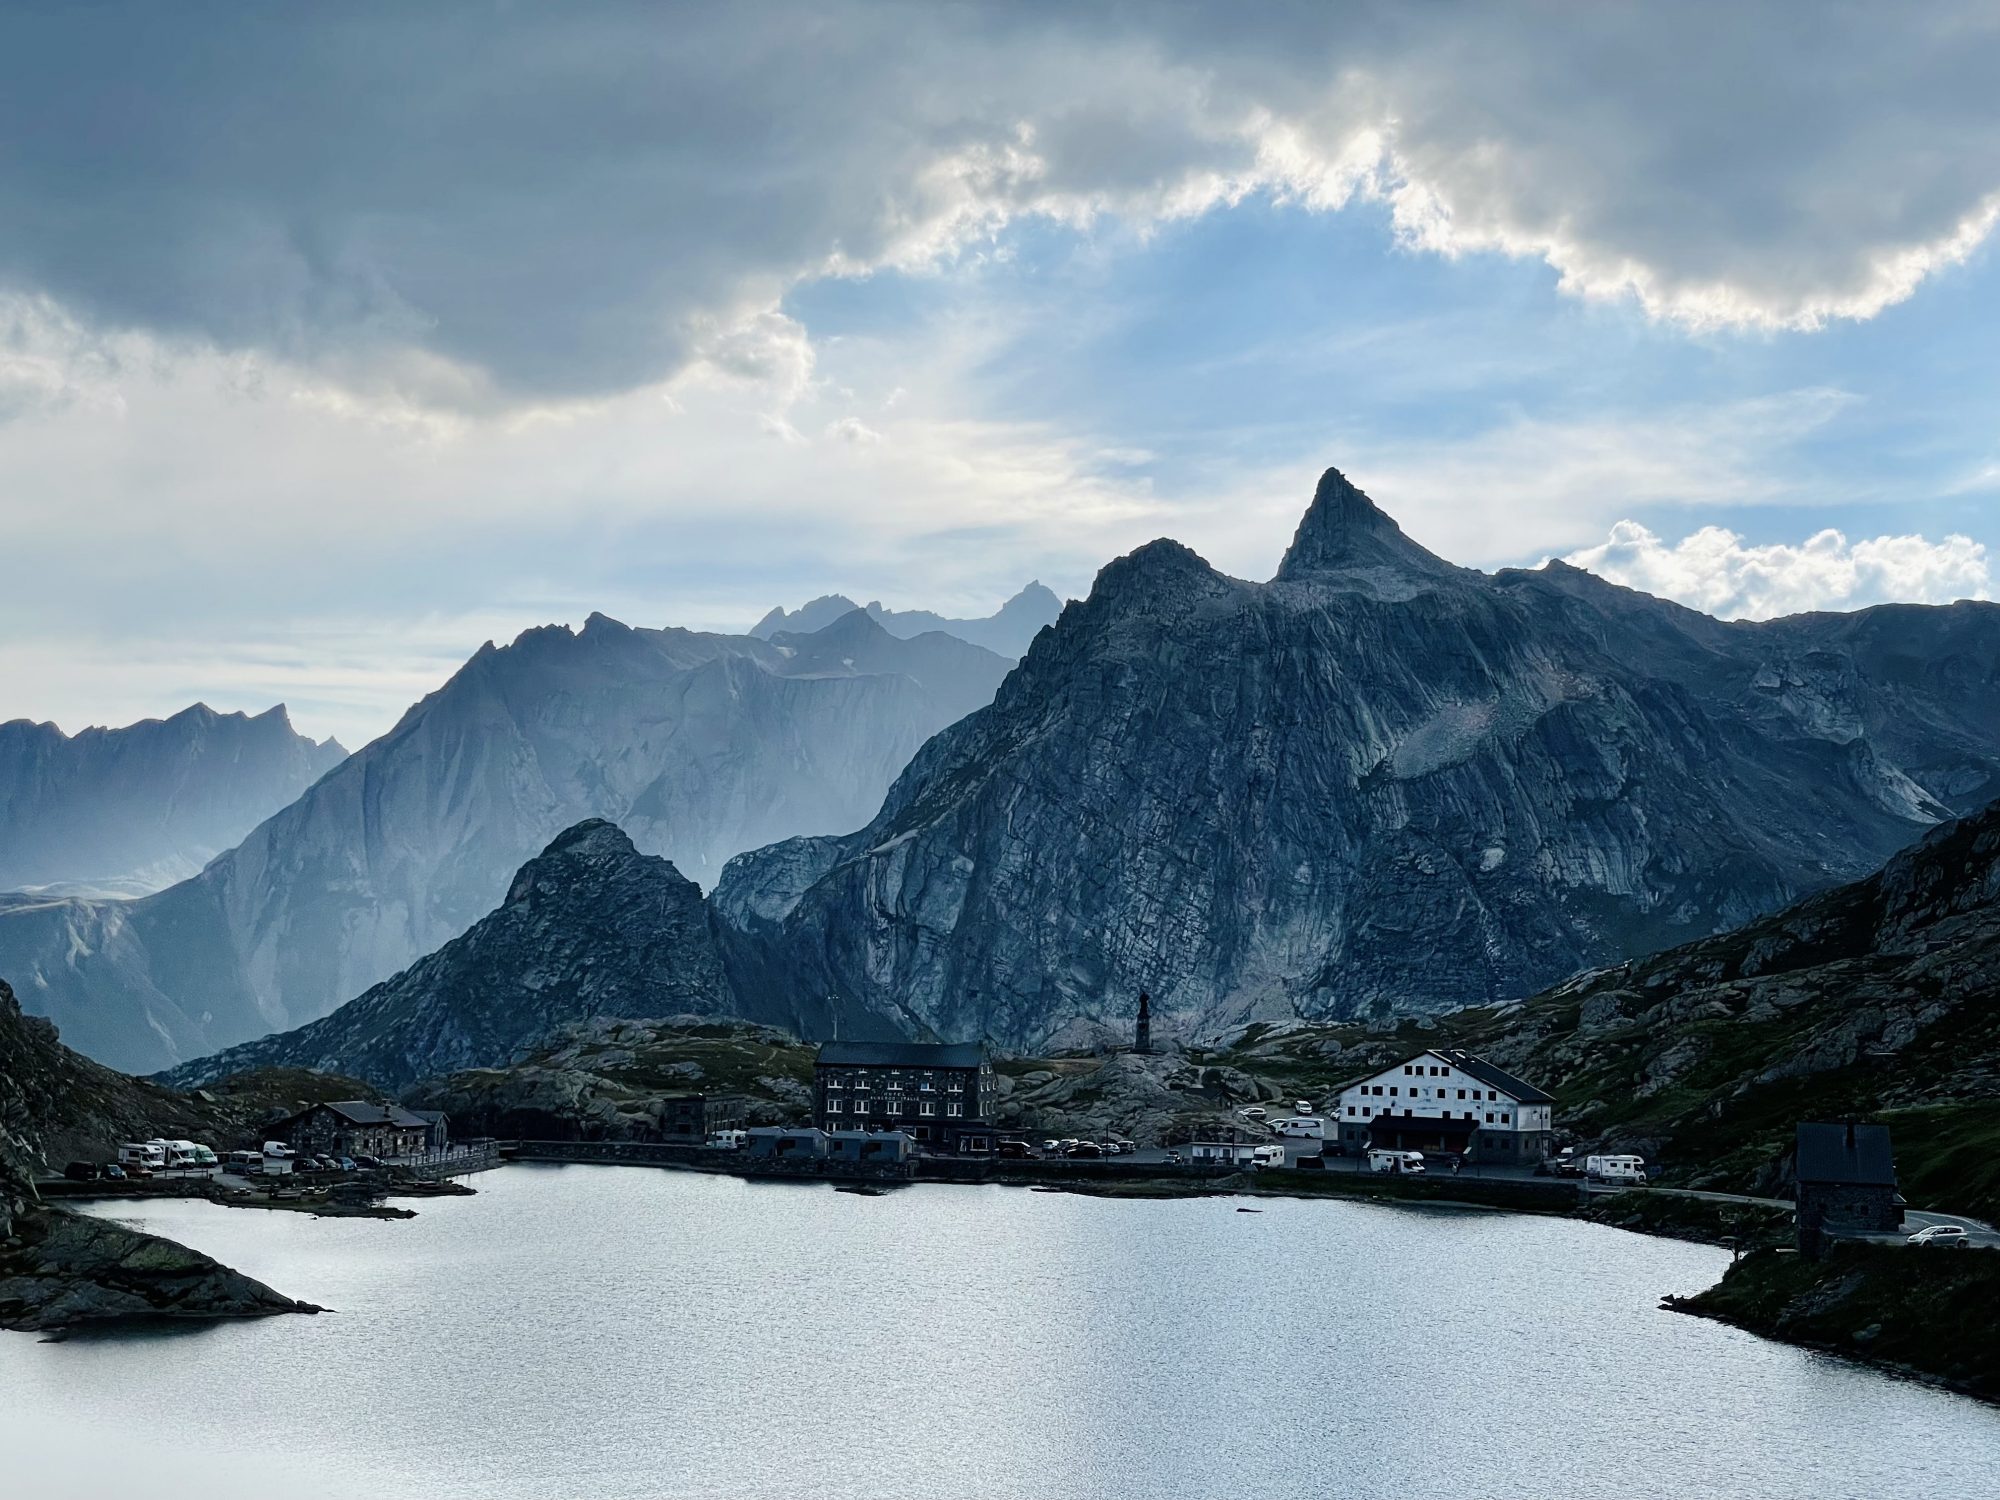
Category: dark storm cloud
[486,203]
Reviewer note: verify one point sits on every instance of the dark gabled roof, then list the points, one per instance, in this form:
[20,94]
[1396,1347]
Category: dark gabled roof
[1851,1155]
[903,1054]
[361,1112]
[1492,1077]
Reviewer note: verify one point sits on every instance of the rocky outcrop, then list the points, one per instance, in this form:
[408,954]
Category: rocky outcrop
[60,1269]
[698,745]
[590,928]
[126,811]
[1377,785]
[605,1080]
[1007,631]
[66,1269]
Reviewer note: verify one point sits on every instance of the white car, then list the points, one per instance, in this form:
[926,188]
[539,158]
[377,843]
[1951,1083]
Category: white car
[1945,1236]
[1303,1106]
[1255,1112]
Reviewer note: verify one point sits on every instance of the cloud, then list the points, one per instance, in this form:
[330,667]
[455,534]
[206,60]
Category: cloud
[449,207]
[1716,571]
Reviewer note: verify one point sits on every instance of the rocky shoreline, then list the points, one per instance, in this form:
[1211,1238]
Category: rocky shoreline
[62,1270]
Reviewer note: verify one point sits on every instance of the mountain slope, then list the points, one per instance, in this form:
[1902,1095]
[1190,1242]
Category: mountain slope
[127,811]
[1378,784]
[590,928]
[1008,630]
[698,745]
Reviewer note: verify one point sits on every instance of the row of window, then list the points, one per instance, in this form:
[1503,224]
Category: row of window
[1393,1091]
[956,1086]
[954,1110]
[1418,1070]
[1492,1118]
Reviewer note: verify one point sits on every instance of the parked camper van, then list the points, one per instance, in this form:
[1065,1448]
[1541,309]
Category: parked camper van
[193,1154]
[728,1140]
[1407,1163]
[148,1154]
[1267,1156]
[176,1156]
[1623,1171]
[1304,1126]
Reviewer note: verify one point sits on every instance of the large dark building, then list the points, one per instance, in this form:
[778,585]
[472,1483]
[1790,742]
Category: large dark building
[941,1094]
[355,1127]
[1846,1181]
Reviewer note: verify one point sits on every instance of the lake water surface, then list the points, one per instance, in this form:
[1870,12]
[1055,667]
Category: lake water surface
[618,1332]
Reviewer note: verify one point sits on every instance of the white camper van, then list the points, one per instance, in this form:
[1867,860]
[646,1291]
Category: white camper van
[728,1140]
[1623,1171]
[148,1154]
[192,1154]
[1301,1125]
[1408,1163]
[1267,1156]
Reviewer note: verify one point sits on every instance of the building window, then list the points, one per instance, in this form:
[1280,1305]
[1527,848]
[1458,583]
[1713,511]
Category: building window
[1367,1109]
[1350,1109]
[1461,1093]
[1506,1119]
[834,1106]
[954,1110]
[1489,1117]
[928,1108]
[1392,1091]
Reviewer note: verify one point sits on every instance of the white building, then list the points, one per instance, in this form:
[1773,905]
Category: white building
[1237,1153]
[1445,1100]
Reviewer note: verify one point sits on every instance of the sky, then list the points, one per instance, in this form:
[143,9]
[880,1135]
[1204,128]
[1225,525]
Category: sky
[337,341]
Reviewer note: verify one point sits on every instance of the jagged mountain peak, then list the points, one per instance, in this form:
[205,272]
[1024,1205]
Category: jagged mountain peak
[1343,529]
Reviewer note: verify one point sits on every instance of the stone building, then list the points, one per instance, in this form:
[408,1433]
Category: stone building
[1846,1182]
[695,1117]
[354,1127]
[943,1095]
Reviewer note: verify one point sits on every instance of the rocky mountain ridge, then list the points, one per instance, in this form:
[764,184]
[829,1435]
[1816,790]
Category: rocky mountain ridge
[1379,784]
[126,811]
[1007,631]
[698,745]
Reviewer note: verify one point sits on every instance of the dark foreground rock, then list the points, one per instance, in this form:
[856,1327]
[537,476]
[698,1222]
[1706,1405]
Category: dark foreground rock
[63,1269]
[1911,1310]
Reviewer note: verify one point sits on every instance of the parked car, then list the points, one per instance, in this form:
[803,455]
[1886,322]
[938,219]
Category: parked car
[1255,1112]
[1015,1151]
[1302,1106]
[1174,1158]
[1119,1148]
[367,1163]
[346,1163]
[1085,1151]
[81,1171]
[114,1172]
[1050,1148]
[1941,1237]
[308,1164]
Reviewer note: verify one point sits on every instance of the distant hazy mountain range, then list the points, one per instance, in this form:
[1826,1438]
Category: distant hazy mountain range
[1007,631]
[1377,784]
[127,811]
[699,746]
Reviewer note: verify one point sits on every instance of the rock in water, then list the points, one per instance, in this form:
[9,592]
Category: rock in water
[698,745]
[590,928]
[65,1269]
[1377,784]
